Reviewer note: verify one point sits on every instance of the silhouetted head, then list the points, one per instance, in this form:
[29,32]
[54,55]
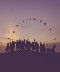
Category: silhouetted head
[19,39]
[16,40]
[29,41]
[44,43]
[34,40]
[40,43]
[10,42]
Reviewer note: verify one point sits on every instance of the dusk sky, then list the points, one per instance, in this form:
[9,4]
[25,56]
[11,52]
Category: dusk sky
[14,12]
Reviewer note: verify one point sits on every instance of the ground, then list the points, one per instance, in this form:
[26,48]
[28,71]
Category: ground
[24,61]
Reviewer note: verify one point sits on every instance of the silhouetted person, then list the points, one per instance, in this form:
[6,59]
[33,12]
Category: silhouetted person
[33,45]
[12,46]
[22,45]
[7,48]
[28,45]
[36,46]
[53,49]
[48,50]
[44,49]
[41,49]
[17,45]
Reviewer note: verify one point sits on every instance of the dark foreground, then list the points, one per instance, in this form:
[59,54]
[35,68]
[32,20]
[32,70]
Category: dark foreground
[23,61]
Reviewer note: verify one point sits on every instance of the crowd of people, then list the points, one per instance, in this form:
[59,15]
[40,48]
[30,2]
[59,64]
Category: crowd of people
[29,46]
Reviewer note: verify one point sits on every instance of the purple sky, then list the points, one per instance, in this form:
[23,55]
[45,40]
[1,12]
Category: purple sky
[12,12]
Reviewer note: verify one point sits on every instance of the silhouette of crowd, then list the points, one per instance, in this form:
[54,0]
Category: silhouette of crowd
[29,46]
